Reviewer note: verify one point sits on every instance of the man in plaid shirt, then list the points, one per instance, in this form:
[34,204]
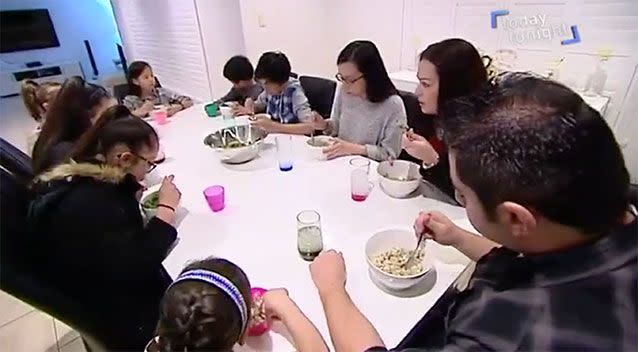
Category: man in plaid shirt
[543,179]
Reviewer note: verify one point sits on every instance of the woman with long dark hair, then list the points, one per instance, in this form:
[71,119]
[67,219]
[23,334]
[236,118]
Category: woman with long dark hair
[86,219]
[367,113]
[448,69]
[71,113]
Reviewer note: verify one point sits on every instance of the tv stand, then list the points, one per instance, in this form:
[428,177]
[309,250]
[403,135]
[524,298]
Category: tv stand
[11,80]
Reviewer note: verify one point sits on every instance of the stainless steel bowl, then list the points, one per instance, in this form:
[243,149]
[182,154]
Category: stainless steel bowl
[237,144]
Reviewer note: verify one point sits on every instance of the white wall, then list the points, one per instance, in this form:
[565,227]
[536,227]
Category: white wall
[222,34]
[602,24]
[300,29]
[74,21]
[166,34]
[313,32]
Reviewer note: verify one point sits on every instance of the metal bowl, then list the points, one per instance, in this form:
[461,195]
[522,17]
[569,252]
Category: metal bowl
[237,144]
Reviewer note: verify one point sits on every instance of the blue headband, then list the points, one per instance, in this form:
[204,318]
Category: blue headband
[221,283]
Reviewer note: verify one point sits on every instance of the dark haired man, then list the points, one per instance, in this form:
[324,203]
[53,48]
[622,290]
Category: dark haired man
[543,179]
[239,71]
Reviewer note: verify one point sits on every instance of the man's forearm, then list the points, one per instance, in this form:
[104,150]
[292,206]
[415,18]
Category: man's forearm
[305,335]
[350,331]
[473,245]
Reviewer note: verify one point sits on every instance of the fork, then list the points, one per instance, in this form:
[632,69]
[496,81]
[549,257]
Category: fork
[412,258]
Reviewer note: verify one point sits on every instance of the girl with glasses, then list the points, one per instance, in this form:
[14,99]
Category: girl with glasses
[85,218]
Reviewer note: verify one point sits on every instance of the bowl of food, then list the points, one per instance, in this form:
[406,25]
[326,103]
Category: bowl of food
[237,144]
[387,253]
[259,323]
[316,145]
[149,204]
[399,178]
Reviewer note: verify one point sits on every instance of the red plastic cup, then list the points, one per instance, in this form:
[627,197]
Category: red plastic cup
[215,197]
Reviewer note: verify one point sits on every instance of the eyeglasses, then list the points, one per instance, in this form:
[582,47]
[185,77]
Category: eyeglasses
[151,164]
[342,79]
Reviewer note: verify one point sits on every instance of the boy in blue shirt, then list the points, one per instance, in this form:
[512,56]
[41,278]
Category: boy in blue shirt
[283,98]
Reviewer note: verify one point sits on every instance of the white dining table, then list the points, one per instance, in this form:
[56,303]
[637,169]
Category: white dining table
[257,229]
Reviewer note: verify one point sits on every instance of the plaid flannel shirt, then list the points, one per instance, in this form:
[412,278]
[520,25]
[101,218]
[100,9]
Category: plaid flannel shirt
[580,299]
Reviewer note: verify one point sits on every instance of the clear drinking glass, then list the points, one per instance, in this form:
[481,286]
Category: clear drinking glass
[284,152]
[360,186]
[309,239]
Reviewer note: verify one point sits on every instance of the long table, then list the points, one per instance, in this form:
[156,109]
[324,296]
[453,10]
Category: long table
[257,229]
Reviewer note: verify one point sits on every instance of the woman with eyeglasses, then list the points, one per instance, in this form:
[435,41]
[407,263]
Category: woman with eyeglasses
[75,107]
[89,236]
[367,114]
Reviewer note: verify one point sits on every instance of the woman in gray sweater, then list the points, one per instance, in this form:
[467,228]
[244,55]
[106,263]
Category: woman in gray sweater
[367,114]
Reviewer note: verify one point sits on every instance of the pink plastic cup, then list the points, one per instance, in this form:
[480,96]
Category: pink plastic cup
[215,197]
[160,115]
[257,328]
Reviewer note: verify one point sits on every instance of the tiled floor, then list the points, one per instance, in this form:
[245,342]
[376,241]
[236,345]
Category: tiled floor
[22,328]
[25,329]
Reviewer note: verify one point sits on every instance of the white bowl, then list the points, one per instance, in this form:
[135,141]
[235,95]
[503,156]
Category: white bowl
[386,240]
[148,212]
[399,178]
[316,148]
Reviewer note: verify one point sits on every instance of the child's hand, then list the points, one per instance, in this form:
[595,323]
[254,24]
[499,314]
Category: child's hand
[265,124]
[277,303]
[318,122]
[239,110]
[186,102]
[173,109]
[147,107]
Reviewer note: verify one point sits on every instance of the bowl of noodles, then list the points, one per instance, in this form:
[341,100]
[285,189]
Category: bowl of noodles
[236,144]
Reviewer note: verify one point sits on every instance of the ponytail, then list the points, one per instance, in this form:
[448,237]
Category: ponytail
[28,91]
[68,118]
[35,95]
[115,126]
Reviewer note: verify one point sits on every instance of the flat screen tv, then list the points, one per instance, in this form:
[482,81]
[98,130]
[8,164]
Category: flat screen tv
[26,30]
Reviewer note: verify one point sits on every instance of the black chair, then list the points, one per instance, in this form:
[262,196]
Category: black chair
[17,276]
[320,93]
[121,90]
[15,162]
[633,195]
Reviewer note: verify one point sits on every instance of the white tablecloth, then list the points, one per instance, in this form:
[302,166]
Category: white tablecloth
[257,229]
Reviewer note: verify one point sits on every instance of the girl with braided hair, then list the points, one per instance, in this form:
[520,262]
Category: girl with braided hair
[208,308]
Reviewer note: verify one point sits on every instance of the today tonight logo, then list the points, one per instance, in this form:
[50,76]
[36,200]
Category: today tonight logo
[529,28]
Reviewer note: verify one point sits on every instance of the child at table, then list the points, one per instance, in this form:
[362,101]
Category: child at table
[209,306]
[239,71]
[37,98]
[283,97]
[144,93]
